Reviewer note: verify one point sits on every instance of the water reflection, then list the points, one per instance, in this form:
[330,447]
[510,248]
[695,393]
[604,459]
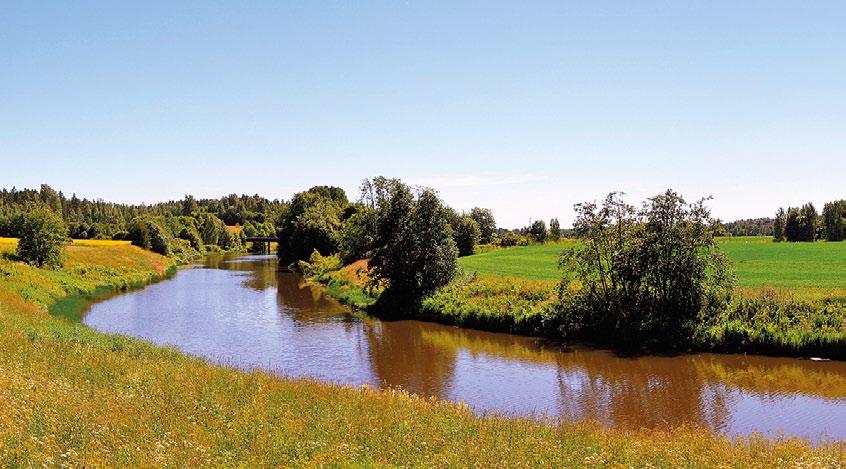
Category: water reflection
[246,313]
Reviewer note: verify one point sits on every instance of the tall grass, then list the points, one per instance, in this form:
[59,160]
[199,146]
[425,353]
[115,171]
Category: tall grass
[72,396]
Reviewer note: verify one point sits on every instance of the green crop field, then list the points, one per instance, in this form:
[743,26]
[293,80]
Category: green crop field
[758,263]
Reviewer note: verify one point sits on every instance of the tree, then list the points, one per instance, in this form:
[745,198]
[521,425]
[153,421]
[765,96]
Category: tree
[357,236]
[138,233]
[807,222]
[537,231]
[834,220]
[792,225]
[487,224]
[650,275]
[467,236]
[312,222]
[554,230]
[51,198]
[160,239]
[778,225]
[414,252]
[230,241]
[42,235]
[189,205]
[210,227]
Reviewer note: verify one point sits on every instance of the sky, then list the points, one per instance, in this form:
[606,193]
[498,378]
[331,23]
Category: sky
[523,107]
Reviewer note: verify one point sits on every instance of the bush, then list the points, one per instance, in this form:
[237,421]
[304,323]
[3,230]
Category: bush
[43,233]
[510,239]
[318,265]
[649,275]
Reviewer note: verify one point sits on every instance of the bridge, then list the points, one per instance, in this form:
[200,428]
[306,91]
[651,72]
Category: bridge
[263,242]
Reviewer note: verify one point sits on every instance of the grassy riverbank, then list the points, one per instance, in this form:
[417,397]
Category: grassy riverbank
[74,396]
[790,300]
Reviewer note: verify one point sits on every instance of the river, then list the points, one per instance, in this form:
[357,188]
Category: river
[243,312]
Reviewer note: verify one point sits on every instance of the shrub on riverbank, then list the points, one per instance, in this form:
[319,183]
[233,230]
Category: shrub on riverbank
[73,396]
[778,323]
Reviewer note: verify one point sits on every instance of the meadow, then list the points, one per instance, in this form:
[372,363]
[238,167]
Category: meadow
[758,263]
[72,396]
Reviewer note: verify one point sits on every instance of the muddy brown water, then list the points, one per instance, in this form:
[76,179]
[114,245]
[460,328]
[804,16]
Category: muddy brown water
[243,312]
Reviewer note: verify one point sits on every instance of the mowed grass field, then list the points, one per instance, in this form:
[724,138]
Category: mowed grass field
[758,263]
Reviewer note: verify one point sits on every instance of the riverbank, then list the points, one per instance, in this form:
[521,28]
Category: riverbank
[75,396]
[515,290]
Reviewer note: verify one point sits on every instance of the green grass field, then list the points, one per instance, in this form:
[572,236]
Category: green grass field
[758,263]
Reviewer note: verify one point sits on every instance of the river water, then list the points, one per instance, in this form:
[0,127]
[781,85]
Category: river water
[243,312]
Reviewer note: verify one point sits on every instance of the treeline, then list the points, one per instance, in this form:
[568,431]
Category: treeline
[181,229]
[97,219]
[749,227]
[805,224]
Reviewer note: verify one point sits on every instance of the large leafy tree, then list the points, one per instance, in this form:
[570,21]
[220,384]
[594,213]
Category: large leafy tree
[414,252]
[43,235]
[487,224]
[647,275]
[311,223]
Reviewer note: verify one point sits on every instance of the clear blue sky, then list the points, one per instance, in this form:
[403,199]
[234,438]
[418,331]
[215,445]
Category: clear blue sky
[524,107]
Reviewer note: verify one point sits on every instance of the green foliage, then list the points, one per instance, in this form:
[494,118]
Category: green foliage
[494,303]
[554,230]
[230,241]
[467,235]
[138,233]
[511,239]
[537,231]
[648,275]
[487,224]
[210,227]
[96,219]
[357,236]
[774,322]
[160,239]
[313,222]
[779,224]
[414,251]
[43,234]
[318,266]
[175,237]
[800,223]
[834,220]
[190,234]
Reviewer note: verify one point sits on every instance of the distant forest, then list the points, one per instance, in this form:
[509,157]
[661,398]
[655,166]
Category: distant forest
[97,219]
[749,227]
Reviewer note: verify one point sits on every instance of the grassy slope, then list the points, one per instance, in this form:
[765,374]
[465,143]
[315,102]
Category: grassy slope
[74,396]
